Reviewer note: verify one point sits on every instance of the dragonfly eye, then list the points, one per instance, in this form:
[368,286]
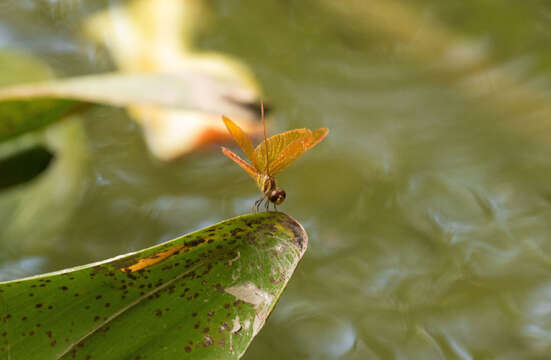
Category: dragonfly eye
[277,196]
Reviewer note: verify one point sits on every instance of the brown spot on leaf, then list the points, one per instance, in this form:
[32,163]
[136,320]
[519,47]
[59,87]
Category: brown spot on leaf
[207,341]
[224,327]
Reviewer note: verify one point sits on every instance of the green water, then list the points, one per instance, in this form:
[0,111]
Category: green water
[428,206]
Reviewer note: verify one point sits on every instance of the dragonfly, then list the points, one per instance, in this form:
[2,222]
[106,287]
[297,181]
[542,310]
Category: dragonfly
[271,156]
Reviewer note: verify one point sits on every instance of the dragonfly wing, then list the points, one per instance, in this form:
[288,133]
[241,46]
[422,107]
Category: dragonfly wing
[242,139]
[317,136]
[296,148]
[276,144]
[245,165]
[289,155]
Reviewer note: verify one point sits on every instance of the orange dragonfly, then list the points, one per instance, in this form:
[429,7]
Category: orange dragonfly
[271,156]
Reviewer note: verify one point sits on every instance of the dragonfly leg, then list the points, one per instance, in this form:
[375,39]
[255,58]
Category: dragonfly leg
[257,203]
[255,206]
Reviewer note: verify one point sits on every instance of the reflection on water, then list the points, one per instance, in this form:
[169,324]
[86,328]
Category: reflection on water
[20,268]
[428,206]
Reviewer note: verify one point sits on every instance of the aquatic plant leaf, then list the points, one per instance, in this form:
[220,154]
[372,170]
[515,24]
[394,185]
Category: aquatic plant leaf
[165,104]
[204,295]
[20,117]
[40,170]
[189,90]
[24,166]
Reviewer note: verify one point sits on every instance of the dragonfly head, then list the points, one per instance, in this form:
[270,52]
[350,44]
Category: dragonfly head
[276,196]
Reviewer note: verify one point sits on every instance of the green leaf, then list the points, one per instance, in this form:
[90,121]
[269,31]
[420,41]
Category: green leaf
[204,296]
[39,171]
[20,117]
[186,89]
[24,166]
[176,109]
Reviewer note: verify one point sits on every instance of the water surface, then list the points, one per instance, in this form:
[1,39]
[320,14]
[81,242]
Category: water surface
[428,206]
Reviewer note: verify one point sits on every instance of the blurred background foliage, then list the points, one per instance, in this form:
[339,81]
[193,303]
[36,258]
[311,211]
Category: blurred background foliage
[428,206]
